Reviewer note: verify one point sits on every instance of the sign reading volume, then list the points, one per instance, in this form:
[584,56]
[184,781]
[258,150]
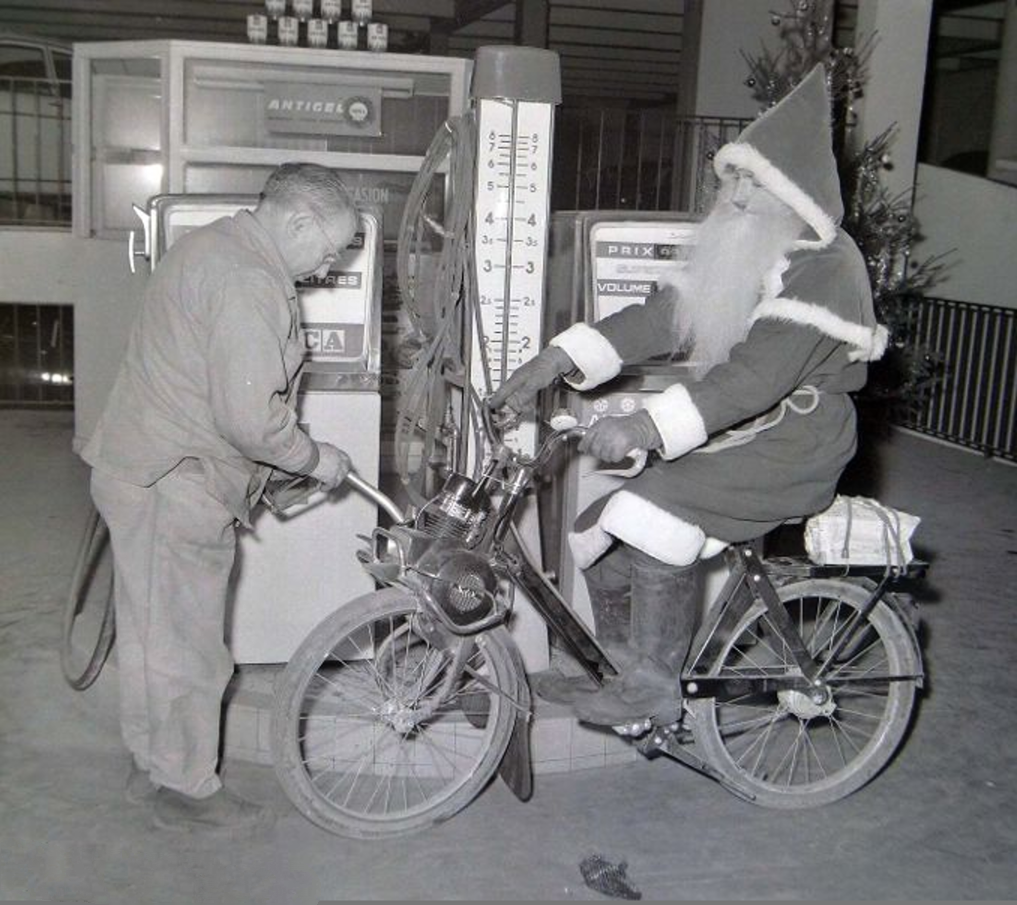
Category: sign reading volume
[627,258]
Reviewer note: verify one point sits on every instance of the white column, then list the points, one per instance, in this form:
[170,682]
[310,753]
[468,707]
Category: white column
[894,82]
[1003,144]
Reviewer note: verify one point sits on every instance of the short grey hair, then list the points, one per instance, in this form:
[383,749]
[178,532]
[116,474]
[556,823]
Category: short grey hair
[297,185]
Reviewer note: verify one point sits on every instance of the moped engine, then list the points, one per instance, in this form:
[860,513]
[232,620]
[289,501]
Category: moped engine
[459,511]
[460,581]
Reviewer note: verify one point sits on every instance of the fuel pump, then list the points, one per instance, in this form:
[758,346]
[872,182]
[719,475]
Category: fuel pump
[480,316]
[515,90]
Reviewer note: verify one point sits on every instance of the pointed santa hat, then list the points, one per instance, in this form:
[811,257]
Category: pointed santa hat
[789,150]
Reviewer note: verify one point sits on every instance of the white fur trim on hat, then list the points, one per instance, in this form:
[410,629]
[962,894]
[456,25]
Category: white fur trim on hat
[653,530]
[744,156]
[677,420]
[589,545]
[591,353]
[868,343]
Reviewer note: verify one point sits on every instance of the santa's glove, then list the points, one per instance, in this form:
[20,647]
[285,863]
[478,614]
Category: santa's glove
[614,438]
[333,466]
[518,392]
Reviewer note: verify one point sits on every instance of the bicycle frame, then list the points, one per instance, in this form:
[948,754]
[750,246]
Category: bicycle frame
[748,585]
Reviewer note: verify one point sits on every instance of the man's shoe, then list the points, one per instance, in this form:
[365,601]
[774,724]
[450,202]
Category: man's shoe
[224,813]
[140,787]
[637,694]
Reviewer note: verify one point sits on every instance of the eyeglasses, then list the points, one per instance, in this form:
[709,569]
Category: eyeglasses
[335,247]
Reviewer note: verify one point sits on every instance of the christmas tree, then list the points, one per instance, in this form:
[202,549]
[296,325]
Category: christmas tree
[883,226]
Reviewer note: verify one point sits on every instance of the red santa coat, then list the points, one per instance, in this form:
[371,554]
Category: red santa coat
[814,328]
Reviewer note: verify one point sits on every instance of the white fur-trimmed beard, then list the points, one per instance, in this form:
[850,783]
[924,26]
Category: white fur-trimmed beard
[722,282]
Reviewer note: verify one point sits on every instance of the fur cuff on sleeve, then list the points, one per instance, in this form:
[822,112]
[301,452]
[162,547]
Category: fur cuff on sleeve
[591,353]
[678,421]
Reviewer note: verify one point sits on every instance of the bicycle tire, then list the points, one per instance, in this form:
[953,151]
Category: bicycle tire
[89,625]
[787,751]
[346,743]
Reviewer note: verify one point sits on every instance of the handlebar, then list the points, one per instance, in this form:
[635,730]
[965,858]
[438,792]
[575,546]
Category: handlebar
[301,489]
[375,495]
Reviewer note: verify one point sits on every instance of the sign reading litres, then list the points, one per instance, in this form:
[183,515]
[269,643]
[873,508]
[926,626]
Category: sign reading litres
[323,109]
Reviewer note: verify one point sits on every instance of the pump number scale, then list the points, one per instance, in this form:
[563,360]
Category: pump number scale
[511,207]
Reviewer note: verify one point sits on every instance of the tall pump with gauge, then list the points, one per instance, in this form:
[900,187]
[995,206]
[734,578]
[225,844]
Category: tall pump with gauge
[477,303]
[515,90]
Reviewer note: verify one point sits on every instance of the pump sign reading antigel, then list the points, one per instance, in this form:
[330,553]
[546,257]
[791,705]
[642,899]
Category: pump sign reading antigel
[323,109]
[628,258]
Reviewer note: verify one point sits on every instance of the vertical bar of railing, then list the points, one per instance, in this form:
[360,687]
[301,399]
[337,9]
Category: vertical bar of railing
[40,392]
[600,161]
[639,162]
[942,344]
[14,151]
[577,205]
[929,311]
[956,336]
[37,148]
[661,132]
[17,353]
[62,162]
[1008,383]
[988,438]
[983,382]
[966,354]
[621,160]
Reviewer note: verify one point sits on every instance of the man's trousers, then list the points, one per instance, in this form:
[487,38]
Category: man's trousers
[173,548]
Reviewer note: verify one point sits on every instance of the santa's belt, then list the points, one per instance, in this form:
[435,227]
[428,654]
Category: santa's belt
[768,420]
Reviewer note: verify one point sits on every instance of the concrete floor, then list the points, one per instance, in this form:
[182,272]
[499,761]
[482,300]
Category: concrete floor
[940,823]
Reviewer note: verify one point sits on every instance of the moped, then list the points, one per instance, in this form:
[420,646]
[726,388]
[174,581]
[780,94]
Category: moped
[397,709]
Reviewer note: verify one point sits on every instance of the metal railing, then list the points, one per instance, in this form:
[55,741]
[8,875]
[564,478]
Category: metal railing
[974,402]
[37,355]
[35,152]
[641,160]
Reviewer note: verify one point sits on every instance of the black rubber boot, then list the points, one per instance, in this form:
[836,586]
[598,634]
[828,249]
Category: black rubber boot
[664,600]
[611,608]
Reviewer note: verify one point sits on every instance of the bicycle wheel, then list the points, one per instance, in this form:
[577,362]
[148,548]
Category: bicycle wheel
[373,736]
[89,625]
[787,749]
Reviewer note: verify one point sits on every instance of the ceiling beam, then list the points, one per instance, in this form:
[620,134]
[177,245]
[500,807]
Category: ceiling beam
[465,13]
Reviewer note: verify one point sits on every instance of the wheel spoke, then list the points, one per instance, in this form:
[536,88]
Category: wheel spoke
[381,734]
[785,745]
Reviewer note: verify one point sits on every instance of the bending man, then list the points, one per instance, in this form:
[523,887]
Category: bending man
[202,409]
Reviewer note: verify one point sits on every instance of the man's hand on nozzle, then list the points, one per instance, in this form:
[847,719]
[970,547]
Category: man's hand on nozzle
[518,392]
[613,438]
[333,466]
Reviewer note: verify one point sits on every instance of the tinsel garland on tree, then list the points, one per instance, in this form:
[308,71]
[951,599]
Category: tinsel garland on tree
[883,226]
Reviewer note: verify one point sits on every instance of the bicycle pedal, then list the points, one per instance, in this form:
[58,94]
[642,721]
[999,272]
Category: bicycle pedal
[634,729]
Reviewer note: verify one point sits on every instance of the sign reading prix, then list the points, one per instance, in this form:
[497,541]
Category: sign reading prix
[323,109]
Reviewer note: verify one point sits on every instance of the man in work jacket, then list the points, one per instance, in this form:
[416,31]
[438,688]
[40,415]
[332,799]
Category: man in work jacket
[202,409]
[775,311]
